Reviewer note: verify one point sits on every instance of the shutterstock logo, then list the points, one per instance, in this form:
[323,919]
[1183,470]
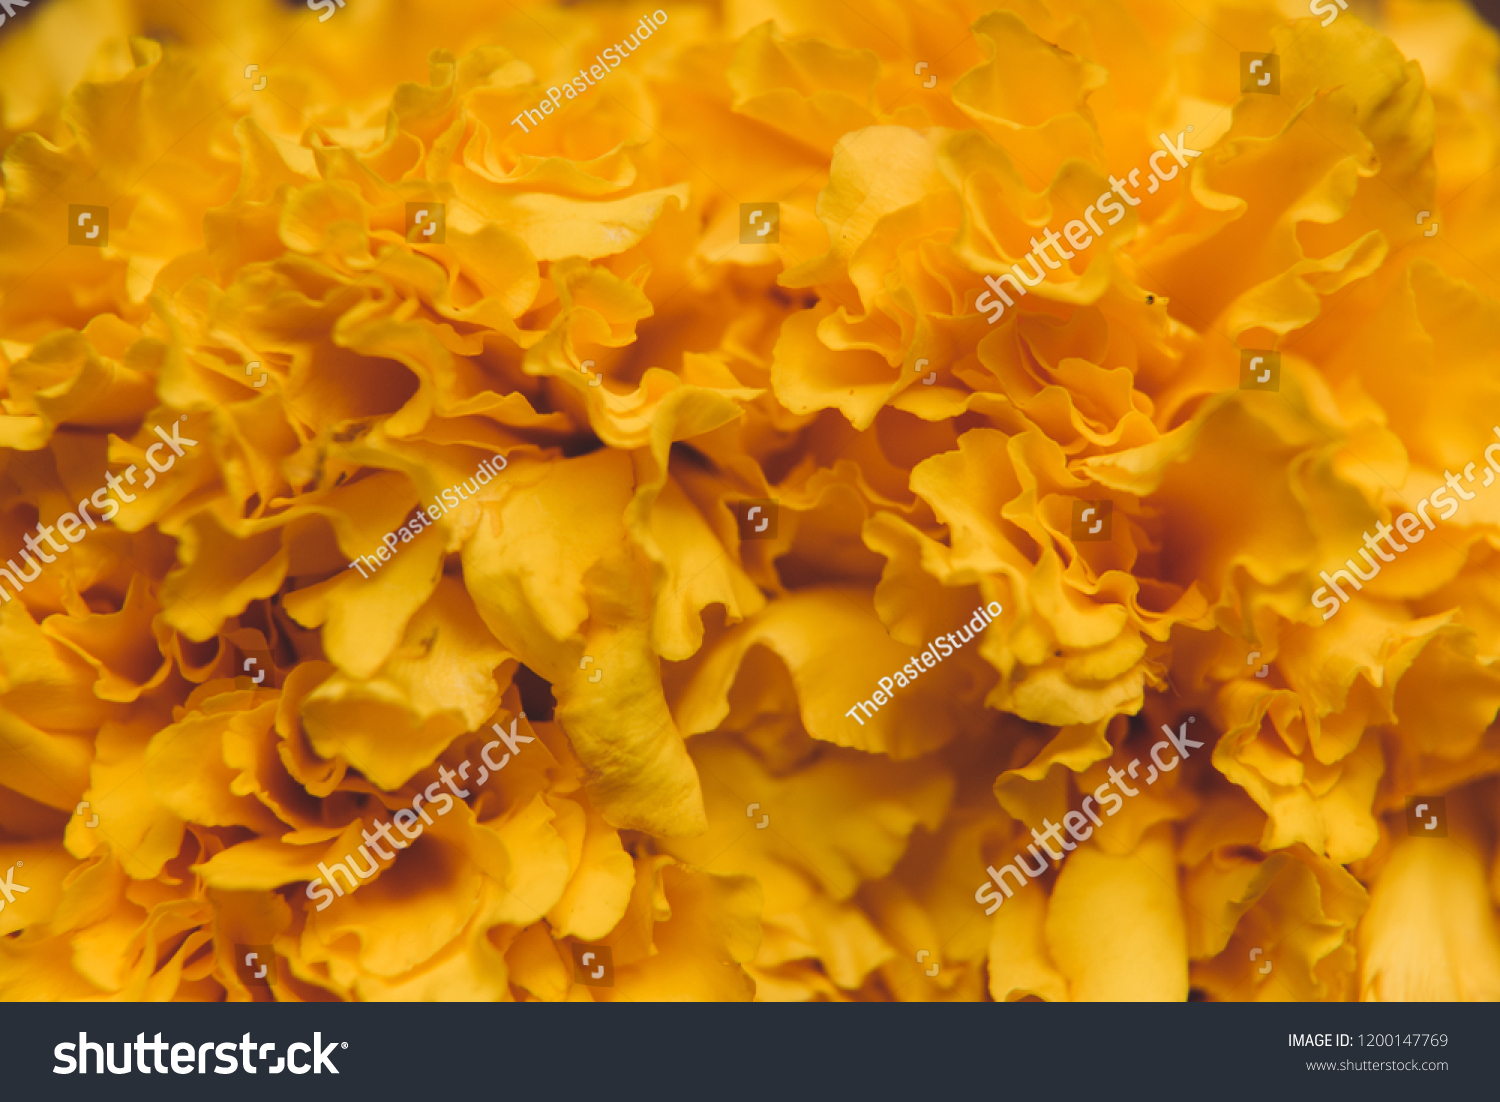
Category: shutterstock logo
[426,223]
[88,224]
[760,223]
[593,965]
[1427,816]
[1260,73]
[188,1059]
[757,519]
[1091,519]
[255,669]
[1260,369]
[255,965]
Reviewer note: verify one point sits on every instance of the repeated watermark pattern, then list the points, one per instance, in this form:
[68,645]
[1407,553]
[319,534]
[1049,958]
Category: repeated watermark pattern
[1076,231]
[1075,822]
[423,518]
[71,524]
[1410,527]
[760,223]
[9,889]
[255,964]
[326,7]
[10,7]
[406,818]
[604,62]
[931,655]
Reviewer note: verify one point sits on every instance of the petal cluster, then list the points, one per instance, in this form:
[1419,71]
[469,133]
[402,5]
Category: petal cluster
[736,478]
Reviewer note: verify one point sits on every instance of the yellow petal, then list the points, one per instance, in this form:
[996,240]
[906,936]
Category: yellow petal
[1430,934]
[1114,924]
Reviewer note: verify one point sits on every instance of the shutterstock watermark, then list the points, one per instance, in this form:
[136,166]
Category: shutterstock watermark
[604,62]
[1077,233]
[1078,826]
[1326,9]
[10,7]
[70,524]
[9,889]
[931,655]
[406,818]
[1410,527]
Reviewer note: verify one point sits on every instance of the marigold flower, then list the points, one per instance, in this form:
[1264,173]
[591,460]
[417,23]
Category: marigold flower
[317,685]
